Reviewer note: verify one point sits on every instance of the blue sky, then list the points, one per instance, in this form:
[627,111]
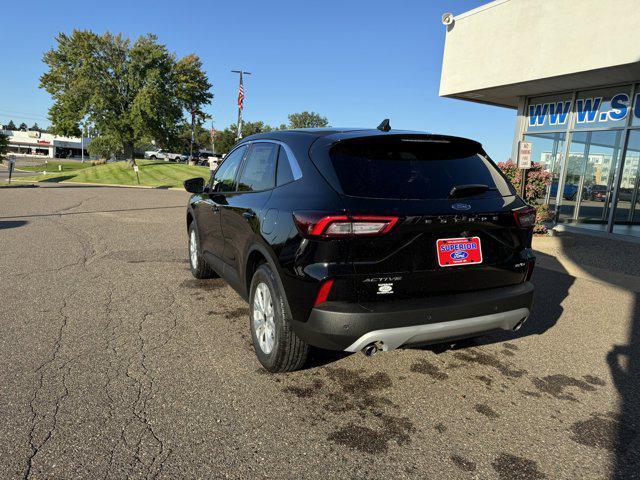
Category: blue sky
[356,62]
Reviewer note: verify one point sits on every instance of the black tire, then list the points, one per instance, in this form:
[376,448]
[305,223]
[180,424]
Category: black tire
[199,268]
[288,352]
[153,157]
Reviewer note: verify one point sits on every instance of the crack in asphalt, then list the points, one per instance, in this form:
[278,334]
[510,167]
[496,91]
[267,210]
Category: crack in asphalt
[137,448]
[145,386]
[35,446]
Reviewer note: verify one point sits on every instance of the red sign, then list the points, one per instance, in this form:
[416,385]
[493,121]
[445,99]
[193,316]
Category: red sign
[459,251]
[43,142]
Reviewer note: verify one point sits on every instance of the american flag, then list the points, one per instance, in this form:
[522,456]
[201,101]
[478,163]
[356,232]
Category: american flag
[240,93]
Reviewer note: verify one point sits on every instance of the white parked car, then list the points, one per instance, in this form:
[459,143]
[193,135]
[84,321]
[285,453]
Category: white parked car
[160,154]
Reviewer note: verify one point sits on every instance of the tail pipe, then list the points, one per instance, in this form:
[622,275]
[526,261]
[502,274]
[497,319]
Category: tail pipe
[373,348]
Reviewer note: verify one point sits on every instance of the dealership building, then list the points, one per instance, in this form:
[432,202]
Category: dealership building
[33,143]
[571,71]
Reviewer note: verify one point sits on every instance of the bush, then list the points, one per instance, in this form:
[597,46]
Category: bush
[104,147]
[538,181]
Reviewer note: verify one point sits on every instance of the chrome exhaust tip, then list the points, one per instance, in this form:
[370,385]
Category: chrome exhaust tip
[519,324]
[373,348]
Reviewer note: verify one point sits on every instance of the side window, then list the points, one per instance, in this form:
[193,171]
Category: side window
[259,170]
[285,175]
[224,177]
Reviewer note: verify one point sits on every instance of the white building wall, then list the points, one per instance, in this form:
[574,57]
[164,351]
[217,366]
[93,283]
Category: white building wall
[508,42]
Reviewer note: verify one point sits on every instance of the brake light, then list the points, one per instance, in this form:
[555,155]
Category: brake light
[323,293]
[525,217]
[315,224]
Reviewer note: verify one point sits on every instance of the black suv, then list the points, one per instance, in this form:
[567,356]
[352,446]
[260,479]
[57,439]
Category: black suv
[363,239]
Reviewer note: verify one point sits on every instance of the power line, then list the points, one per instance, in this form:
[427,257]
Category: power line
[23,116]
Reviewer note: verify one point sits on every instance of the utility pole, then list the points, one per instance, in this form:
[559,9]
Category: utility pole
[82,141]
[240,101]
[193,133]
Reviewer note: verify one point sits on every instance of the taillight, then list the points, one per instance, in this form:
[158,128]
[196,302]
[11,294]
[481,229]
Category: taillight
[323,293]
[525,216]
[314,224]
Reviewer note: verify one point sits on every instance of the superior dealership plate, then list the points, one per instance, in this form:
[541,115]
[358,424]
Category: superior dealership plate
[453,252]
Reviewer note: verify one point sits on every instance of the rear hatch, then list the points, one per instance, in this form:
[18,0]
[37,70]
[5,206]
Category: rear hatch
[443,242]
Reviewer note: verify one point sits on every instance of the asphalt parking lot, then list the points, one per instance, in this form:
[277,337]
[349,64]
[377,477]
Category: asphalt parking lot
[116,363]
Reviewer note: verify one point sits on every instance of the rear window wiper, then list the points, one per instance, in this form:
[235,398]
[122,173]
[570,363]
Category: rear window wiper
[469,190]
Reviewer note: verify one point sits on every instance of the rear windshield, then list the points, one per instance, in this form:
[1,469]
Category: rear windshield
[413,168]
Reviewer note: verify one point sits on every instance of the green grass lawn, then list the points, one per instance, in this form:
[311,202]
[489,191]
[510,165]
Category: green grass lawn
[152,173]
[53,166]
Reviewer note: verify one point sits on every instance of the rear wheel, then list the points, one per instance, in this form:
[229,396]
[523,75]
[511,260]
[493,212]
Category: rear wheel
[277,346]
[153,157]
[199,267]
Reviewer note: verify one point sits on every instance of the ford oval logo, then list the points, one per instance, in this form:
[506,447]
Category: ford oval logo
[459,255]
[461,206]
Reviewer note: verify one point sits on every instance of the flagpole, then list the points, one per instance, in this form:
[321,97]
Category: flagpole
[240,101]
[239,134]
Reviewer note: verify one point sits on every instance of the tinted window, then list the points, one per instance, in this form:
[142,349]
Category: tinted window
[285,175]
[224,179]
[259,170]
[413,168]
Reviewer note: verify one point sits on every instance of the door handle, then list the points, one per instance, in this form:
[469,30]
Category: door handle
[216,209]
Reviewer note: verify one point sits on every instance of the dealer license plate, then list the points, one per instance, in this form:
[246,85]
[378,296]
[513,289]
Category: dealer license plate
[459,251]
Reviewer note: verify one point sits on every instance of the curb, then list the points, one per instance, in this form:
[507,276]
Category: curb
[115,185]
[110,185]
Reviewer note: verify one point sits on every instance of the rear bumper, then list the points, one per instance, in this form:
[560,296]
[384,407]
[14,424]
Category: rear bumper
[352,326]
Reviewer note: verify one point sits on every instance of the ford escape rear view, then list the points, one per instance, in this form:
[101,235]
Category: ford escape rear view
[363,240]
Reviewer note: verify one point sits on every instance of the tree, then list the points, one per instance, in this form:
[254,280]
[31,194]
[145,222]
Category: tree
[193,91]
[35,127]
[23,127]
[127,92]
[4,146]
[226,138]
[307,120]
[11,125]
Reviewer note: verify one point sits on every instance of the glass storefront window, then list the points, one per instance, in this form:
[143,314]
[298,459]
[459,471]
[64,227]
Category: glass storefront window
[548,113]
[548,151]
[590,173]
[598,122]
[627,212]
[603,108]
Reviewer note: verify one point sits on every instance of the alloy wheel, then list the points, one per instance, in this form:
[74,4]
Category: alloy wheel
[263,318]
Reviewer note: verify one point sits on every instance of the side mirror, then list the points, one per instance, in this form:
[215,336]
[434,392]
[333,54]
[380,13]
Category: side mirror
[194,185]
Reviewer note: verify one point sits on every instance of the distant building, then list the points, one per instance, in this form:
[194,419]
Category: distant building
[33,143]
